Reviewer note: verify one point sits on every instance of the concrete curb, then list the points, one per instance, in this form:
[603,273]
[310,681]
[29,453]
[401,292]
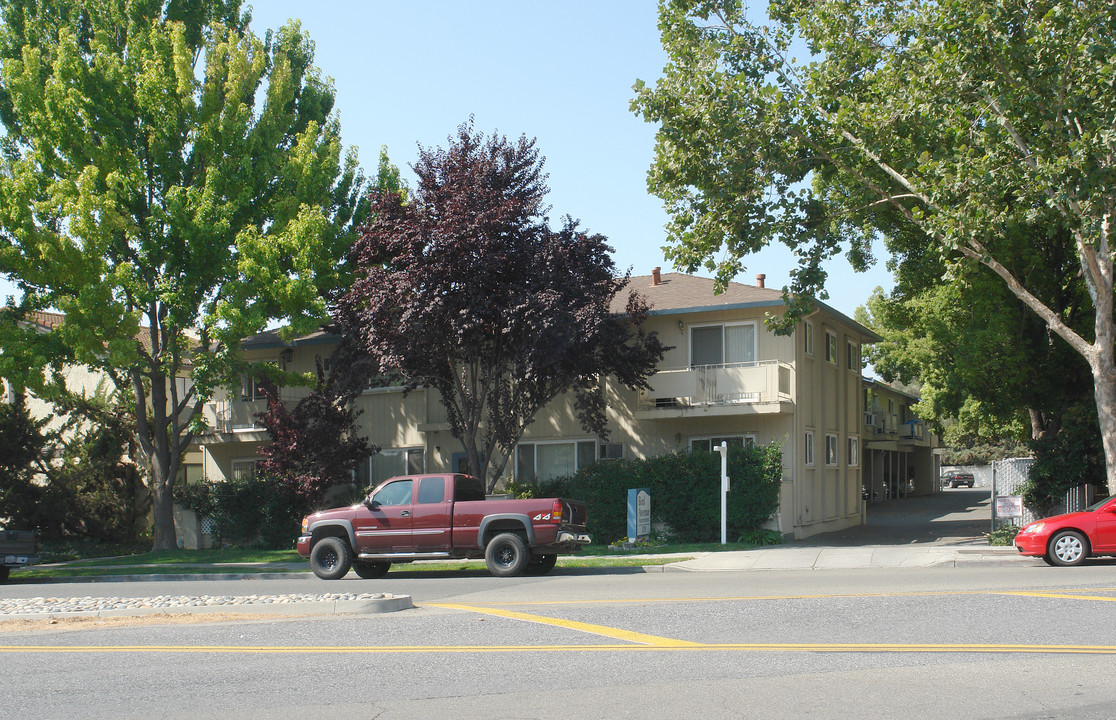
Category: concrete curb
[374,606]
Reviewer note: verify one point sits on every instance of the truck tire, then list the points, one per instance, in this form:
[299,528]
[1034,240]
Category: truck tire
[331,558]
[371,569]
[541,564]
[506,555]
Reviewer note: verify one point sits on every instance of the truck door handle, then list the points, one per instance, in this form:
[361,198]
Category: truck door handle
[405,513]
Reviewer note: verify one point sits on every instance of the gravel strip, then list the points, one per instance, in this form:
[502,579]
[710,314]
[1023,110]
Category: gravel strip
[24,606]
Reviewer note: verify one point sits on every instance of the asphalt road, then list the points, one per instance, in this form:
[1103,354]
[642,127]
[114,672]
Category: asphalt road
[1011,640]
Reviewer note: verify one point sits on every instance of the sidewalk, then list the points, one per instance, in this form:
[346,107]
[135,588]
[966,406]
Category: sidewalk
[945,529]
[821,557]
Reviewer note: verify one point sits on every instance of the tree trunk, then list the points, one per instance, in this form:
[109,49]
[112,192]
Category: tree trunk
[163,531]
[1104,390]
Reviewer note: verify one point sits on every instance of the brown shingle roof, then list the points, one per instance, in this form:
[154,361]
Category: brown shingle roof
[678,292]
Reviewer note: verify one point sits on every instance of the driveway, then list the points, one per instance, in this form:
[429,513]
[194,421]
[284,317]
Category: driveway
[950,517]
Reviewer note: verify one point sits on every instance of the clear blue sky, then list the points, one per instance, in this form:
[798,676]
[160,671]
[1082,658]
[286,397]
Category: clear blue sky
[408,73]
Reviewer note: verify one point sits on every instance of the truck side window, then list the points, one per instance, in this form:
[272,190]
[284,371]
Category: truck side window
[432,490]
[397,493]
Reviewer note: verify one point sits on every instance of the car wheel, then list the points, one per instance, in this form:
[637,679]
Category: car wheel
[331,558]
[1068,547]
[372,569]
[506,555]
[541,564]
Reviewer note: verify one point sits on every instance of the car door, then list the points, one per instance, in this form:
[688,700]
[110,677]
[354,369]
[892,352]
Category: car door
[386,525]
[431,520]
[1104,535]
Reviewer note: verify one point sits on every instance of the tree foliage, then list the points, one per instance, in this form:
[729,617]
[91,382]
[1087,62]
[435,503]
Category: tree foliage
[75,479]
[315,445]
[467,290]
[965,122]
[173,183]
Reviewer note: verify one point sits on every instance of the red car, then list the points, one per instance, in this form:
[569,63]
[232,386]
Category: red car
[1070,539]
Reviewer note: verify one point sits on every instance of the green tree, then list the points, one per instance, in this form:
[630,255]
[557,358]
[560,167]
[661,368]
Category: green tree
[964,120]
[173,183]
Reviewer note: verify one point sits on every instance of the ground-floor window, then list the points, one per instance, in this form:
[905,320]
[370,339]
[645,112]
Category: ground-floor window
[830,450]
[245,469]
[538,462]
[707,444]
[390,462]
[854,451]
[612,451]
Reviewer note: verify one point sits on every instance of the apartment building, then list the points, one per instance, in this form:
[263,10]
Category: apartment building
[726,378]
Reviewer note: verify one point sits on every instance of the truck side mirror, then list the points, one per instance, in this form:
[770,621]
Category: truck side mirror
[371,504]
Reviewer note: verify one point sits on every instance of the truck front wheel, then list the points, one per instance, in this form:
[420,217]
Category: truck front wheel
[331,558]
[506,555]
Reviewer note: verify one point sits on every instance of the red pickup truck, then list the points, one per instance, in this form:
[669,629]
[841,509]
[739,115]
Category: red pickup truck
[427,517]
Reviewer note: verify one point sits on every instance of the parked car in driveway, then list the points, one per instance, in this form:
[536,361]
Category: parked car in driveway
[957,478]
[1071,538]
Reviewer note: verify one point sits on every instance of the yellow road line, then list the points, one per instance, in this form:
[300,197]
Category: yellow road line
[739,647]
[610,632]
[1066,594]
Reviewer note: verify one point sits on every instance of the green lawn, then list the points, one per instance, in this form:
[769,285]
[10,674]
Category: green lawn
[240,561]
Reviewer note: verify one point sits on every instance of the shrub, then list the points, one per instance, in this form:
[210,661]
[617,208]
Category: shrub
[685,492]
[260,511]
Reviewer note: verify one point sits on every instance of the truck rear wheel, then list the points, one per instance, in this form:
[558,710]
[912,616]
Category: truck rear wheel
[506,555]
[331,558]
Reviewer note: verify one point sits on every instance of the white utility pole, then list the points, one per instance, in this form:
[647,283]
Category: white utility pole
[723,450]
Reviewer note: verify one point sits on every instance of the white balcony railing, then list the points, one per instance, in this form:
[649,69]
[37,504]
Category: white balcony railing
[230,416]
[761,382]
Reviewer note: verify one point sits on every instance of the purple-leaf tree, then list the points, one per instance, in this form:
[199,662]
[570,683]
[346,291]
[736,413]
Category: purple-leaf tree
[315,445]
[465,288]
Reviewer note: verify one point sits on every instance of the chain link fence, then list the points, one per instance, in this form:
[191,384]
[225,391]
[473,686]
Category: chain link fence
[1008,479]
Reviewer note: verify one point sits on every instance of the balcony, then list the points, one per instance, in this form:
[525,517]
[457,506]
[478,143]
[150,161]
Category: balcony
[740,388]
[226,416]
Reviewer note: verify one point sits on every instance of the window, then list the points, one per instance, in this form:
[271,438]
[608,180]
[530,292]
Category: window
[709,444]
[808,444]
[830,347]
[808,335]
[611,451]
[830,450]
[854,358]
[396,493]
[854,451]
[251,388]
[390,462]
[245,469]
[432,490]
[721,345]
[536,462]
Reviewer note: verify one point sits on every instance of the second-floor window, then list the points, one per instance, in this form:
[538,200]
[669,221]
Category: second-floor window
[721,345]
[830,347]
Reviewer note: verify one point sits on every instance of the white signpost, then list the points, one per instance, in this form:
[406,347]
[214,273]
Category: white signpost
[723,450]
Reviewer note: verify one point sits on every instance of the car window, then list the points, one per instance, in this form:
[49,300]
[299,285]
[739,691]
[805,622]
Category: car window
[396,493]
[432,490]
